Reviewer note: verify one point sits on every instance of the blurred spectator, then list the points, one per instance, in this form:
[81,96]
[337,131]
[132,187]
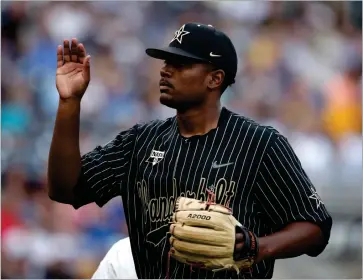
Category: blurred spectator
[342,113]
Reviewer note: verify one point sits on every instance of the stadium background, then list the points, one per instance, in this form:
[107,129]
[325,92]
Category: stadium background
[299,70]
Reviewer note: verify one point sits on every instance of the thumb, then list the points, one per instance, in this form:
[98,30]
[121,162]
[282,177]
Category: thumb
[87,68]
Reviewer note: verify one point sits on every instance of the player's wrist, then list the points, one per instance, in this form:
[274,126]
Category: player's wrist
[75,100]
[69,105]
[264,250]
[250,246]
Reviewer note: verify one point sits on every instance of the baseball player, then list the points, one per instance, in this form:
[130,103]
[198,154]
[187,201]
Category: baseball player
[207,193]
[117,263]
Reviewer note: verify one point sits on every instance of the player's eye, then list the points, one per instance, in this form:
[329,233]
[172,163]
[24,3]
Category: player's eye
[174,63]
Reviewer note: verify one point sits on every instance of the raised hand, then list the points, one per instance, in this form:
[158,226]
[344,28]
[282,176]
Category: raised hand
[73,70]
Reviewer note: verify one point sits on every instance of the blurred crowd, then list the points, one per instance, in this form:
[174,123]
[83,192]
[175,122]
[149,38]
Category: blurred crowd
[299,71]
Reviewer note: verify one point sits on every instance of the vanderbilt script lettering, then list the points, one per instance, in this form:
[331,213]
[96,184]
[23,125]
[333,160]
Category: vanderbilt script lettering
[161,209]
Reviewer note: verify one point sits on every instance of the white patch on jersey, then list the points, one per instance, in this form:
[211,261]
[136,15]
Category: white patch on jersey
[155,157]
[317,198]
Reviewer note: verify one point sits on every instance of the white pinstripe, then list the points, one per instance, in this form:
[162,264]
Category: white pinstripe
[231,153]
[248,174]
[219,146]
[165,133]
[150,141]
[169,165]
[181,172]
[283,194]
[239,178]
[282,221]
[205,163]
[287,186]
[301,184]
[234,168]
[302,173]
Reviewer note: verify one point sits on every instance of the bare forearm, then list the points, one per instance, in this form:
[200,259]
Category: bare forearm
[294,240]
[64,163]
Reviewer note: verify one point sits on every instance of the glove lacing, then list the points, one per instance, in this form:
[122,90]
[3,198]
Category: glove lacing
[211,200]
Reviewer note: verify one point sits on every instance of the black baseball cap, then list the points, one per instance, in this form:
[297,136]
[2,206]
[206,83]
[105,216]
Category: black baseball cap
[204,43]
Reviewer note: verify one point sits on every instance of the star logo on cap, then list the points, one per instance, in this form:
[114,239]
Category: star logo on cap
[179,34]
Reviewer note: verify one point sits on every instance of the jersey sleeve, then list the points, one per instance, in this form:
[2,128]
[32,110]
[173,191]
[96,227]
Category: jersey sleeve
[285,191]
[104,169]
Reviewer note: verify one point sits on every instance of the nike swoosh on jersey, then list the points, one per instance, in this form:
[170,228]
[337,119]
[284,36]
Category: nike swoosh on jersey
[216,165]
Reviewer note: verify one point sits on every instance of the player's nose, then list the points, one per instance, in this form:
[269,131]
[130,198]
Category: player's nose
[166,71]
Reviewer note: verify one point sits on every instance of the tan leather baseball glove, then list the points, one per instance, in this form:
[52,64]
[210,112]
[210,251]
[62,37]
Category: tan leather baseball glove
[203,234]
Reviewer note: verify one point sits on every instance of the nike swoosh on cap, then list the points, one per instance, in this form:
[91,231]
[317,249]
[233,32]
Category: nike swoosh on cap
[214,55]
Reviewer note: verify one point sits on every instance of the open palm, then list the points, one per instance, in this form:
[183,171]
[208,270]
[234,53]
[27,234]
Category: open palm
[73,70]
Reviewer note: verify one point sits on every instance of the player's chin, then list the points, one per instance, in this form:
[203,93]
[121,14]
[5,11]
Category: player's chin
[167,99]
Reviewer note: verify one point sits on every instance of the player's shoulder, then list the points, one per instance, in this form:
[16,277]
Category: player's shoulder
[255,129]
[155,126]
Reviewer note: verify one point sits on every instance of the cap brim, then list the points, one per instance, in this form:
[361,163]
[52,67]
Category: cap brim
[170,52]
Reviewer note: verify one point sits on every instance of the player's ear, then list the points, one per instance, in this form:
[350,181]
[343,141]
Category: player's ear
[215,79]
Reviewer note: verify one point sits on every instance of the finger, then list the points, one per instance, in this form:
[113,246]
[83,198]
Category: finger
[199,249]
[198,235]
[238,247]
[67,51]
[236,256]
[239,237]
[74,50]
[186,257]
[81,52]
[59,56]
[87,68]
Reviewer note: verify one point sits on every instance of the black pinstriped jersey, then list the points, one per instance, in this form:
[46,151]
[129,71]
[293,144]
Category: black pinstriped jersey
[250,167]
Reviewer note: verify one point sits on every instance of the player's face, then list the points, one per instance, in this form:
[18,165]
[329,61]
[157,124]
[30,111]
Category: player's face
[183,84]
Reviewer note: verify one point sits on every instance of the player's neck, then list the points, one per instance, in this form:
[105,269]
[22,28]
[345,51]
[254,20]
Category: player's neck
[198,121]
